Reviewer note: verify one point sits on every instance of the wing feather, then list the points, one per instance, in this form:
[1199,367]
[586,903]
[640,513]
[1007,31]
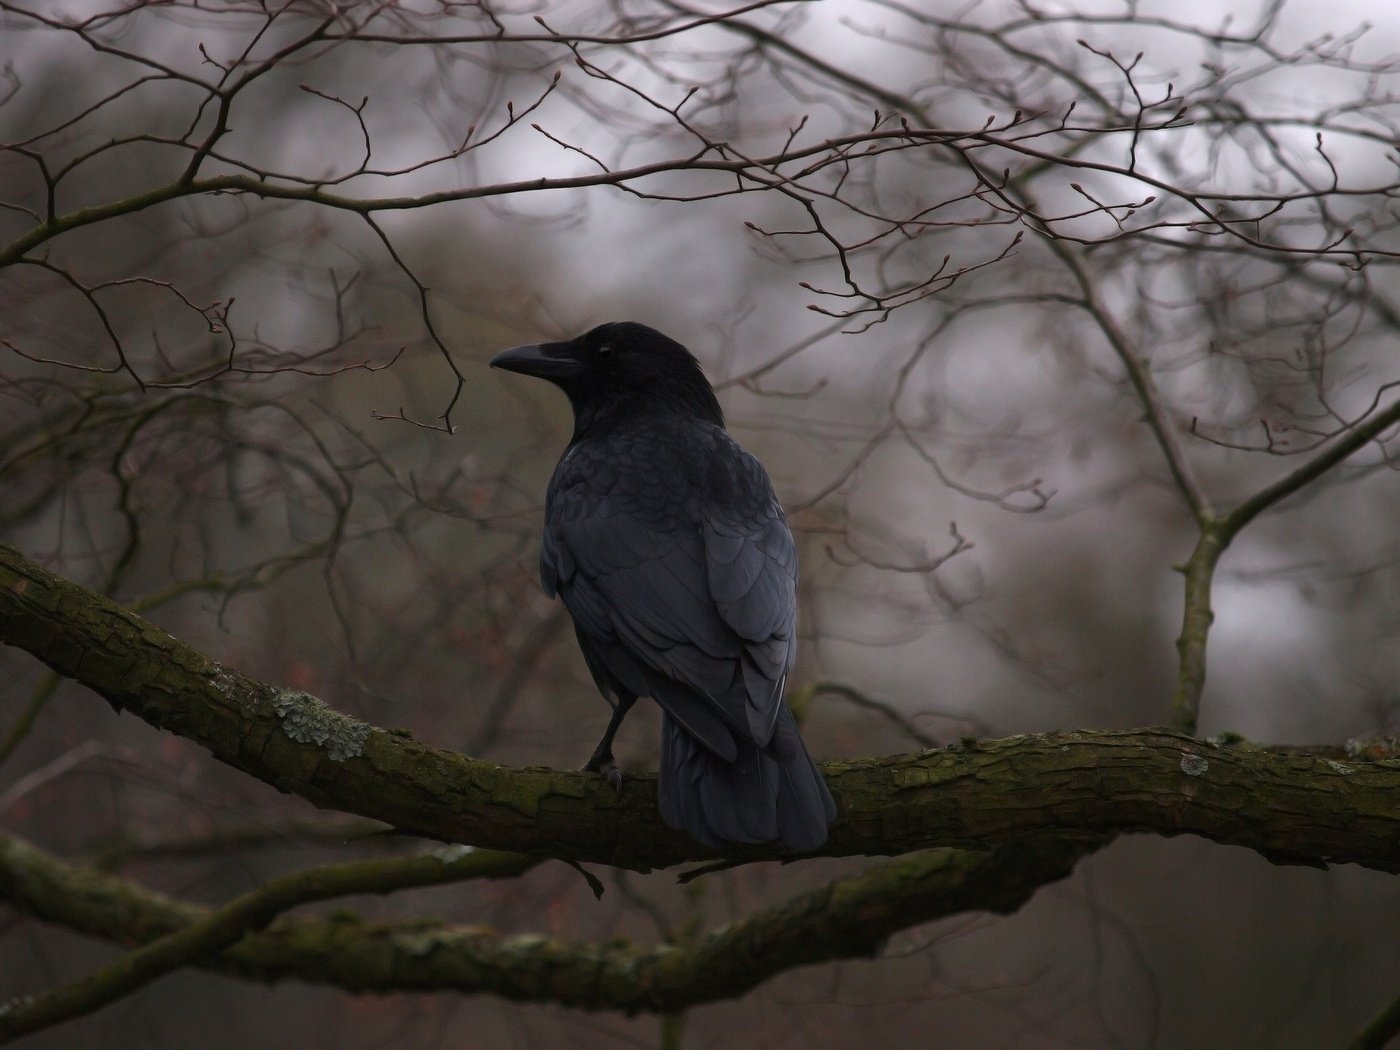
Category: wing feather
[695,583]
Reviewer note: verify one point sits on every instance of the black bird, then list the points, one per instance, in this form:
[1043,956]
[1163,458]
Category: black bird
[669,549]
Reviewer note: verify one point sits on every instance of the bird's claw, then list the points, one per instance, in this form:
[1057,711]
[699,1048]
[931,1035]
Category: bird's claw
[604,764]
[614,776]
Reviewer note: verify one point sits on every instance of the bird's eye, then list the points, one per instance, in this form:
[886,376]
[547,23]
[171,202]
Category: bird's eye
[605,350]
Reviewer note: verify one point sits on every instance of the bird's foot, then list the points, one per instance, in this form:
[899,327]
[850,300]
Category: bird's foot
[601,761]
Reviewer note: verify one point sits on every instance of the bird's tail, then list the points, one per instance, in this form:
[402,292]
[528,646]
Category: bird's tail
[766,793]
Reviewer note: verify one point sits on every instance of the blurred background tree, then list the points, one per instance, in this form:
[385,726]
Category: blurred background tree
[1023,305]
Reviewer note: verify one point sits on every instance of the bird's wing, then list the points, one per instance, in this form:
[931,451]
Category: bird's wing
[751,571]
[688,600]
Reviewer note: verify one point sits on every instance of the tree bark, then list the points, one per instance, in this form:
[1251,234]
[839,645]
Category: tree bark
[1310,806]
[849,918]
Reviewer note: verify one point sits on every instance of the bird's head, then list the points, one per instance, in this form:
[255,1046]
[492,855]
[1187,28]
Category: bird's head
[619,369]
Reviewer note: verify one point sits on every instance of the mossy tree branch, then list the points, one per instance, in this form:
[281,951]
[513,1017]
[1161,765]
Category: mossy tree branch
[215,929]
[848,918]
[1310,806]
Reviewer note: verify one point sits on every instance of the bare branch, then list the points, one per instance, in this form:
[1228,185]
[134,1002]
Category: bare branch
[201,940]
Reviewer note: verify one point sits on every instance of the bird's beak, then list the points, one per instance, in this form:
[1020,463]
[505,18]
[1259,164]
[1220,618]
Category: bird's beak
[545,360]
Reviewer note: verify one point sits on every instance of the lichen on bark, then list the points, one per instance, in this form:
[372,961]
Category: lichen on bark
[309,720]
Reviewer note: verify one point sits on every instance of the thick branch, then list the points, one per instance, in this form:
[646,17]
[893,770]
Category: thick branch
[848,918]
[1069,787]
[216,929]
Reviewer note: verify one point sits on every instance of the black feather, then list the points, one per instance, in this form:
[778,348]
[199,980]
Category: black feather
[672,555]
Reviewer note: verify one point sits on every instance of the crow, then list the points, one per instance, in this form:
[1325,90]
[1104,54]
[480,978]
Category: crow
[673,557]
